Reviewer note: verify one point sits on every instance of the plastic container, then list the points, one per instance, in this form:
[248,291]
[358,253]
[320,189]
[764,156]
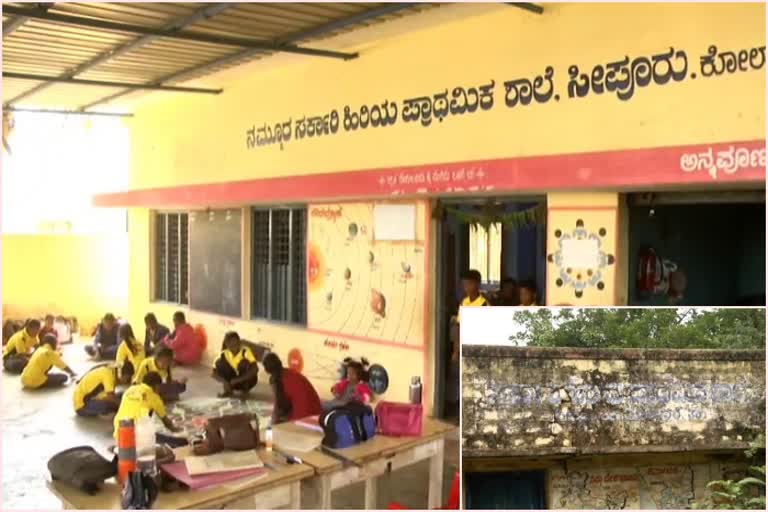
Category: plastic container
[268,438]
[126,450]
[146,453]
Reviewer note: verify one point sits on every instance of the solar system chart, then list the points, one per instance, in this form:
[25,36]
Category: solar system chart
[360,286]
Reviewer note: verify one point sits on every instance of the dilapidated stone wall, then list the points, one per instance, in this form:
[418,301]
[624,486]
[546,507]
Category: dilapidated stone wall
[654,487]
[534,401]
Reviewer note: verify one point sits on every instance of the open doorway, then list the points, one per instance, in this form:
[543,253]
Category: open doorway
[697,248]
[508,490]
[502,239]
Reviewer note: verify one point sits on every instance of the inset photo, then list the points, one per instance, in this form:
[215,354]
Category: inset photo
[613,408]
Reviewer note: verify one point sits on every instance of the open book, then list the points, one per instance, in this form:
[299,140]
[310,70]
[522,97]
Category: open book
[223,462]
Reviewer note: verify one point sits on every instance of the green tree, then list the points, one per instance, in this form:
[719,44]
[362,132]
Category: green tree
[642,328]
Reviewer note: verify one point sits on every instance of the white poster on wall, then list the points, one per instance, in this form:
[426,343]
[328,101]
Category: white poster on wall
[394,222]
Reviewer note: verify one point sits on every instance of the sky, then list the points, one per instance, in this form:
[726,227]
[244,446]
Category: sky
[57,163]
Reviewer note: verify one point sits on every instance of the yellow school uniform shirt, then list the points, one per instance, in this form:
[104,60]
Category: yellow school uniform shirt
[138,401]
[36,372]
[234,360]
[102,379]
[148,365]
[124,354]
[20,343]
[467,302]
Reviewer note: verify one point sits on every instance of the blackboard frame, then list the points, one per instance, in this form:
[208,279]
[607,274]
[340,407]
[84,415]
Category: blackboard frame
[215,261]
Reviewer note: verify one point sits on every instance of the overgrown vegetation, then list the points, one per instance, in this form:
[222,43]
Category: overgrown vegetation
[745,494]
[642,328]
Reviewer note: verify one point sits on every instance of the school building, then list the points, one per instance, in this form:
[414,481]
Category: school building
[322,206]
[575,428]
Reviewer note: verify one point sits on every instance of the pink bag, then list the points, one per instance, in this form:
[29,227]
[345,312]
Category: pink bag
[399,419]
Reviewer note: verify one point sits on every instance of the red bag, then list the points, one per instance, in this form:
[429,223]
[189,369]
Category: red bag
[399,419]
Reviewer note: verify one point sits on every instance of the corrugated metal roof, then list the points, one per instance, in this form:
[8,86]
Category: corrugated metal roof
[54,48]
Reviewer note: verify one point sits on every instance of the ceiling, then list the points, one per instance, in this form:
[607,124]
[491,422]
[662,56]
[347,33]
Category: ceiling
[86,56]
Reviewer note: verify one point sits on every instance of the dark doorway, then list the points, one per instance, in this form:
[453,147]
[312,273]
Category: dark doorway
[500,252]
[521,490]
[716,241]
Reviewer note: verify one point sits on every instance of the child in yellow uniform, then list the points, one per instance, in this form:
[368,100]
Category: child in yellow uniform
[16,352]
[95,392]
[36,375]
[236,367]
[160,364]
[142,399]
[130,353]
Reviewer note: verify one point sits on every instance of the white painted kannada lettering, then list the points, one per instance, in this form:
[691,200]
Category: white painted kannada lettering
[728,161]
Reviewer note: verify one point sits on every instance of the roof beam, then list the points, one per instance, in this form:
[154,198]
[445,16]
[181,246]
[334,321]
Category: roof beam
[327,28]
[13,25]
[526,6]
[101,83]
[185,36]
[16,23]
[199,15]
[66,112]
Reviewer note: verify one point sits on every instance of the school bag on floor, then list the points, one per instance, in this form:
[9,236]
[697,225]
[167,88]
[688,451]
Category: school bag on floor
[139,493]
[399,419]
[347,426]
[82,467]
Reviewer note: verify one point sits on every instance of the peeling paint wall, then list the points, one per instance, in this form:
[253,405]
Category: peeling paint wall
[534,401]
[658,487]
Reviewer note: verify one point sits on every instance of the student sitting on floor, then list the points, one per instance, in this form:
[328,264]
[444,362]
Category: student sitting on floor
[95,392]
[20,346]
[354,388]
[129,354]
[160,364]
[105,340]
[142,399]
[47,328]
[154,334]
[236,367]
[295,397]
[184,342]
[37,373]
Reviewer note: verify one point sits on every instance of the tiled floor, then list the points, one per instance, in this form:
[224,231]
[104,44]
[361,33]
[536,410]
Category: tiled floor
[37,425]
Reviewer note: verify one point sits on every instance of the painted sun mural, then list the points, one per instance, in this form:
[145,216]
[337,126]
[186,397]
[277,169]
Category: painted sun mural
[580,258]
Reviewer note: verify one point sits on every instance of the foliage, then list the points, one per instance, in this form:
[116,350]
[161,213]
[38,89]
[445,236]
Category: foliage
[642,328]
[745,494]
[492,212]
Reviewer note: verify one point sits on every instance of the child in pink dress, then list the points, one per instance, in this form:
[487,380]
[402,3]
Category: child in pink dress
[354,388]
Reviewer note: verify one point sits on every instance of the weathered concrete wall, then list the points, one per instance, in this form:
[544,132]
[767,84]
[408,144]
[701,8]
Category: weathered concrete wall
[655,487]
[533,401]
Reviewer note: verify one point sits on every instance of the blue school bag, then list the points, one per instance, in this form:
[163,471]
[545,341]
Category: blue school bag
[347,426]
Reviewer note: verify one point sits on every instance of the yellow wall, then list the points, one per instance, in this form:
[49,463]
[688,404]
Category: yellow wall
[201,139]
[190,139]
[579,218]
[73,275]
[320,351]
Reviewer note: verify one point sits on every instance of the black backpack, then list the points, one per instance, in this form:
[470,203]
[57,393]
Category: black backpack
[347,426]
[82,467]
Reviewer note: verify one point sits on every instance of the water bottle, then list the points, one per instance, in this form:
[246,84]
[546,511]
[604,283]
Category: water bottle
[145,445]
[268,439]
[414,391]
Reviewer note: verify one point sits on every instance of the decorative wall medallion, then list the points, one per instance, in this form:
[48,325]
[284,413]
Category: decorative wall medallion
[580,258]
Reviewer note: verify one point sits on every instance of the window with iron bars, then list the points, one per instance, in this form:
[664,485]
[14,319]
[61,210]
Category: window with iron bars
[171,255]
[279,279]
